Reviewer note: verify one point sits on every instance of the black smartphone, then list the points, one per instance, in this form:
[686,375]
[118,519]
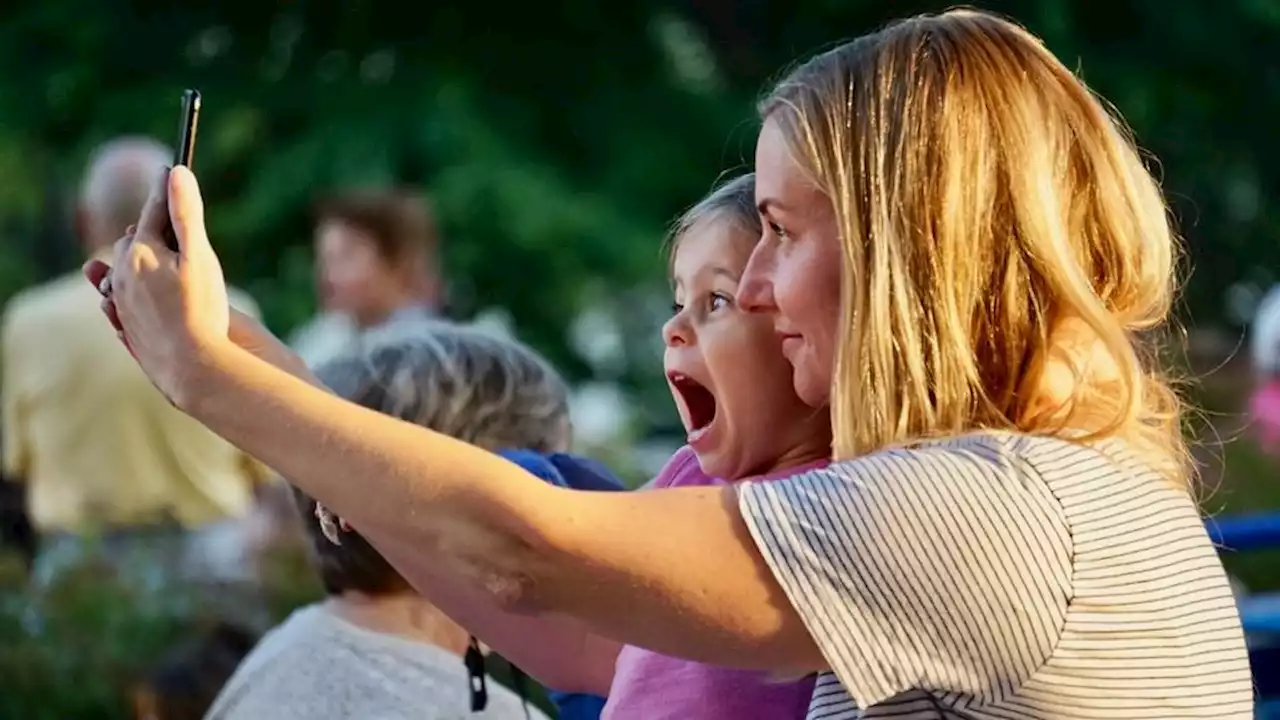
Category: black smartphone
[184,152]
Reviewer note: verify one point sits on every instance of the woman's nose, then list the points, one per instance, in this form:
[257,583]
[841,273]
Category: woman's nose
[755,289]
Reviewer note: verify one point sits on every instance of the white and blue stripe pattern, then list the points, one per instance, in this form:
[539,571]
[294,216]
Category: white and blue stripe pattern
[1000,576]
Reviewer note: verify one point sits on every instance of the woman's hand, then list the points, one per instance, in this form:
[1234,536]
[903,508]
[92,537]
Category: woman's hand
[170,307]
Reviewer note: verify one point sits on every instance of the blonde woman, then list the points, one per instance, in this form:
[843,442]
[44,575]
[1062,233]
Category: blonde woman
[964,257]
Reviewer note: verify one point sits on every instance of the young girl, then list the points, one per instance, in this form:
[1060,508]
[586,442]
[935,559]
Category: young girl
[733,389]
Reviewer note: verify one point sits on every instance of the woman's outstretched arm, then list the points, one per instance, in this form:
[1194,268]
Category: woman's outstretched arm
[556,650]
[674,571]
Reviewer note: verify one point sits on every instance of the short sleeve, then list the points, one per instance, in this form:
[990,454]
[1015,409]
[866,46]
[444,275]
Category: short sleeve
[944,568]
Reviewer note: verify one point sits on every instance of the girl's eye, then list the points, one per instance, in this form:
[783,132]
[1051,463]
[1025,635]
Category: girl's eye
[719,301]
[676,308]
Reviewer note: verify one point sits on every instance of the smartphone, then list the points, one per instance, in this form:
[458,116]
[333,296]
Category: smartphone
[184,152]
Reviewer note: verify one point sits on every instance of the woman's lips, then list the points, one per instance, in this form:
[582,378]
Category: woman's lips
[790,343]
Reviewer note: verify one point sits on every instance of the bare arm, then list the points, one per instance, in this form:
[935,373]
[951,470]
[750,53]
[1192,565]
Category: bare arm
[558,651]
[674,571]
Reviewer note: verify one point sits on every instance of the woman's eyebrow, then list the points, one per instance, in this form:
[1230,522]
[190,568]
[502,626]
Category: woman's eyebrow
[764,205]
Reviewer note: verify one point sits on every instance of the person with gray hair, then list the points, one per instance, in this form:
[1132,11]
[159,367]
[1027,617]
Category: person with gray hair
[115,187]
[108,464]
[375,648]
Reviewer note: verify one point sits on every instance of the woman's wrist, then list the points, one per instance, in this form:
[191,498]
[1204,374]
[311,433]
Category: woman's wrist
[201,380]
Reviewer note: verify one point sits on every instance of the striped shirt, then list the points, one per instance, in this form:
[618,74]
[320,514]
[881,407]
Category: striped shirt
[1004,576]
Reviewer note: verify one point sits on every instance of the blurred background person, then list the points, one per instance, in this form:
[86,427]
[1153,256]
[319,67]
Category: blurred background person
[1264,351]
[377,262]
[375,648]
[104,456]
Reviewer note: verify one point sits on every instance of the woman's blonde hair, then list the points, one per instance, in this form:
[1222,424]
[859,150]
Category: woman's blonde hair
[986,203]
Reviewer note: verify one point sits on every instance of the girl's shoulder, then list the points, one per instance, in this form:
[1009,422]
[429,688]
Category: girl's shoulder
[682,470]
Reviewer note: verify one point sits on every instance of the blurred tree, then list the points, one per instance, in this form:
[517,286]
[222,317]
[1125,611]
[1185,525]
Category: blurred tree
[559,140]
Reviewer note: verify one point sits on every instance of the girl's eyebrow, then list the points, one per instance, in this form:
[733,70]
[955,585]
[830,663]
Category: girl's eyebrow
[711,270]
[719,271]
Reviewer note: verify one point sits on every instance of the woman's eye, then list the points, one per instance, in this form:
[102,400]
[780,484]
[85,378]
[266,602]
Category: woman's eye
[778,230]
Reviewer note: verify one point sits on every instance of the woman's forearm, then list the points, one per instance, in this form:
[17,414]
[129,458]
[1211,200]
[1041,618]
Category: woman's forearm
[674,571]
[246,331]
[556,650]
[376,471]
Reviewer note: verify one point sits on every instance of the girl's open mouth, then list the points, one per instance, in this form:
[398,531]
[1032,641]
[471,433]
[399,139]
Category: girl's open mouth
[699,403]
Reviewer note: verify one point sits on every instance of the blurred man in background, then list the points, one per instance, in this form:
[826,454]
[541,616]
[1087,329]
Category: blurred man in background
[103,454]
[1264,335]
[377,263]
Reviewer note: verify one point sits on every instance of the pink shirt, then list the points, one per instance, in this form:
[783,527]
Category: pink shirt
[649,686]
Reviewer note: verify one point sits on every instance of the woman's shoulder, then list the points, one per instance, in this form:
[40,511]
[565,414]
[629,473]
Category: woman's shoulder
[992,452]
[1065,483]
[1048,473]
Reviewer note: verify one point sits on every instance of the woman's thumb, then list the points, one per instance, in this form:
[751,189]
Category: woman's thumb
[186,210]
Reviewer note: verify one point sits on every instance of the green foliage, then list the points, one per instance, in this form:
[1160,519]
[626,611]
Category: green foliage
[80,648]
[559,141]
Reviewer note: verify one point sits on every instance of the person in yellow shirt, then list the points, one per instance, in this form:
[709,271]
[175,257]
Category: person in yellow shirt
[108,463]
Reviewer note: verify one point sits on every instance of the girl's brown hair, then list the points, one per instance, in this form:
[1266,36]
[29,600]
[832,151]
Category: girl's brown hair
[732,201]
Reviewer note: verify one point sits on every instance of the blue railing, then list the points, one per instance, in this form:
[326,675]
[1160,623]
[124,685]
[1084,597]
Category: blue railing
[1260,614]
[1248,533]
[1244,533]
